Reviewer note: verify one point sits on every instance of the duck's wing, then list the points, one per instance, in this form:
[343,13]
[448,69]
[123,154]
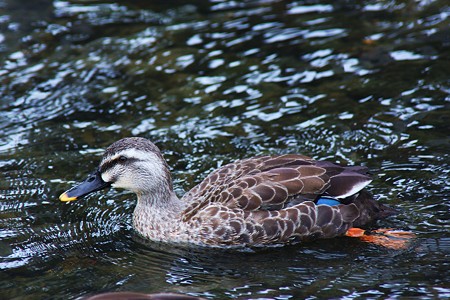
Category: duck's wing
[271,183]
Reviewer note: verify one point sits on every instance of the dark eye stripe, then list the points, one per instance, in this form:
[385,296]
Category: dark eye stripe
[119,160]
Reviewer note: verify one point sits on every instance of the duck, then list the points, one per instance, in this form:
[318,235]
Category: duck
[268,200]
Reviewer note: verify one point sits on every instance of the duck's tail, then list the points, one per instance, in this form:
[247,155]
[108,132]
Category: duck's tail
[389,238]
[370,209]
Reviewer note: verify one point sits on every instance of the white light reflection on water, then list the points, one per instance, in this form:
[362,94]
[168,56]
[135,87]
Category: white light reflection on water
[405,55]
[303,9]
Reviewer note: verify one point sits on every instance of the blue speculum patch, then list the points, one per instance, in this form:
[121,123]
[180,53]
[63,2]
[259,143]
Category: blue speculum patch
[327,201]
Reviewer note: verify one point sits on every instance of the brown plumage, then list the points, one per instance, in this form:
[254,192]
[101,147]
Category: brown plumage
[252,202]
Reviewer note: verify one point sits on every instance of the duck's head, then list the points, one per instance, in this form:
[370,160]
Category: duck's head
[134,163]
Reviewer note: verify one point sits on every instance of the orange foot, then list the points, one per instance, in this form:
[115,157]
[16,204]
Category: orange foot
[389,238]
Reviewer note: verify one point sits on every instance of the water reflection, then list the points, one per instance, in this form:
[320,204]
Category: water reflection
[210,81]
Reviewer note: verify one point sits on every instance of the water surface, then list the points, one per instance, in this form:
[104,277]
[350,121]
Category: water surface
[209,82]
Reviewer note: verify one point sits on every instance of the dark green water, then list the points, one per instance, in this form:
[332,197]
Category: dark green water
[363,82]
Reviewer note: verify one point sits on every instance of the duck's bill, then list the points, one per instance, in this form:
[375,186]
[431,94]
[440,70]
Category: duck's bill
[92,184]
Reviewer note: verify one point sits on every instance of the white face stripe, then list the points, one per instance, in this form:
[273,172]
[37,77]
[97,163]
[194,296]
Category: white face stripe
[132,153]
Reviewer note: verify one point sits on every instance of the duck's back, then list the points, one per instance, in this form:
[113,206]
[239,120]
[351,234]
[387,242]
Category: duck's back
[272,199]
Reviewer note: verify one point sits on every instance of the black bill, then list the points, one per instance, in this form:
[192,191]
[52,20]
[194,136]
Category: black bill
[92,184]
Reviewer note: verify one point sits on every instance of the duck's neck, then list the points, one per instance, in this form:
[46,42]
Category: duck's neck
[157,216]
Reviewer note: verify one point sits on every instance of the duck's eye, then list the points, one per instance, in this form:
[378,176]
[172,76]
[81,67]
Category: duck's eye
[123,158]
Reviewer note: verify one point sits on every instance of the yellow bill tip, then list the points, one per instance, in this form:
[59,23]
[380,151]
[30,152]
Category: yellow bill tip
[65,198]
